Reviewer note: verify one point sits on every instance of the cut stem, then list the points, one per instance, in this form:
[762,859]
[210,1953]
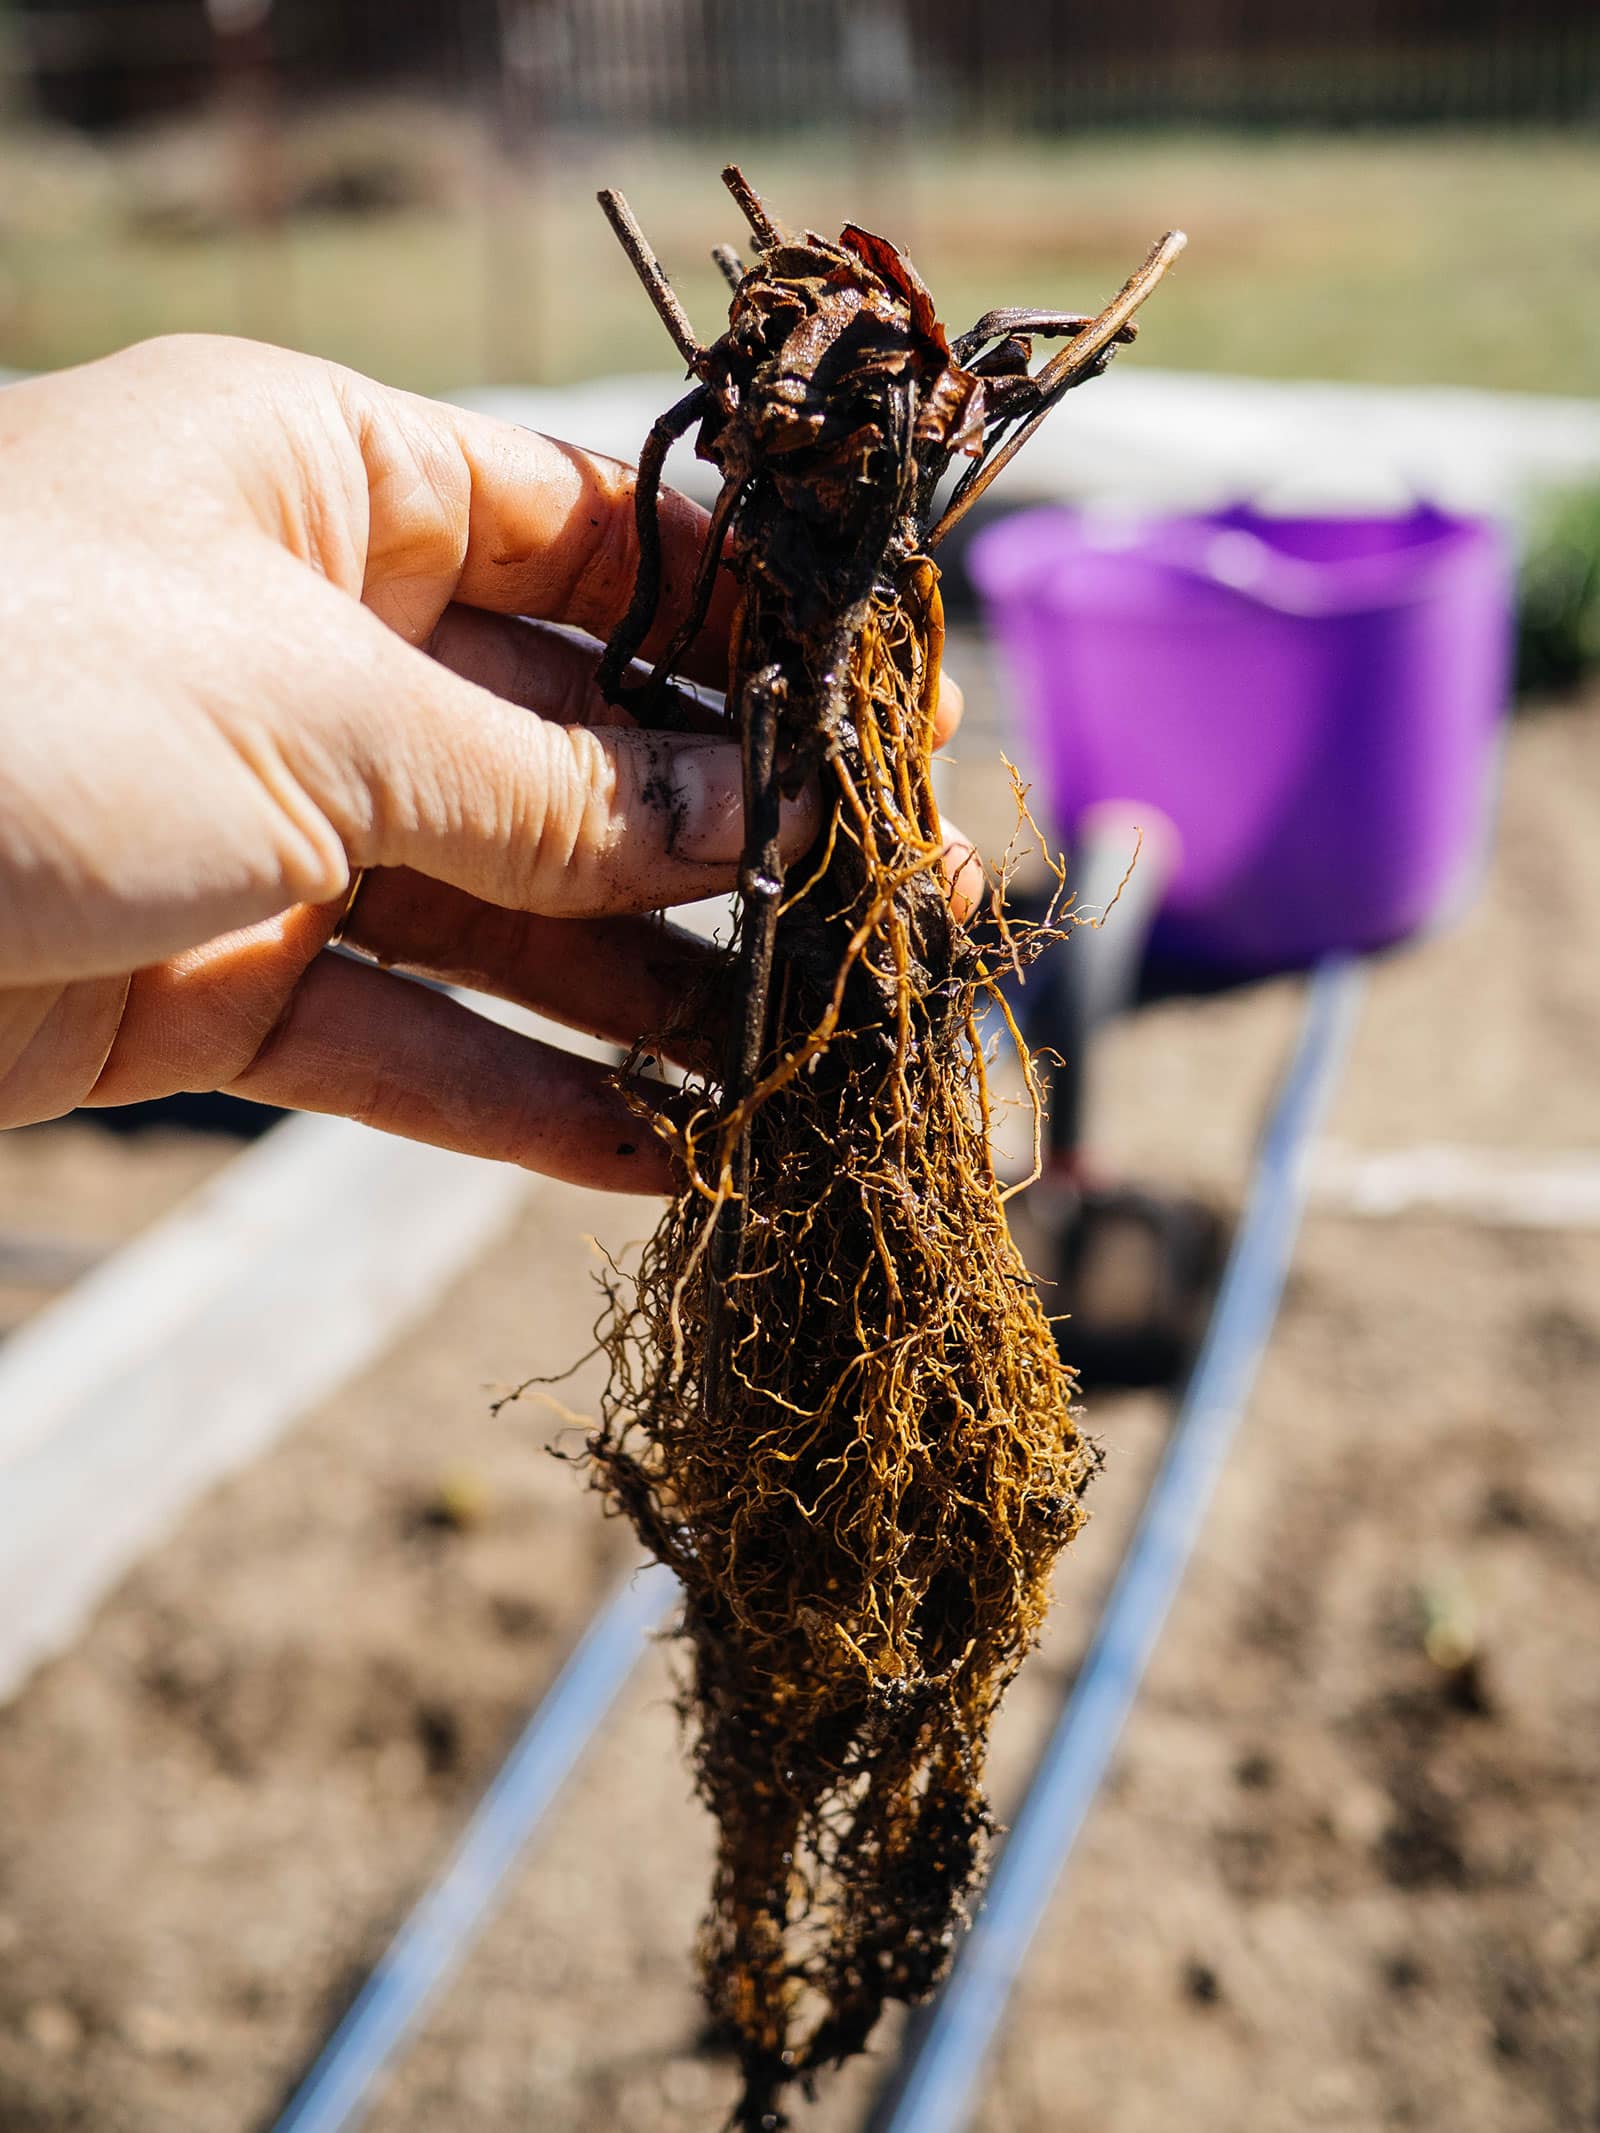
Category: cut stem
[652,275]
[1062,372]
[765,226]
[999,325]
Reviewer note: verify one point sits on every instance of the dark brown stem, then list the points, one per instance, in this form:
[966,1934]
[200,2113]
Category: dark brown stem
[634,627]
[729,263]
[1107,325]
[767,229]
[760,878]
[760,893]
[653,275]
[997,325]
[704,584]
[1064,370]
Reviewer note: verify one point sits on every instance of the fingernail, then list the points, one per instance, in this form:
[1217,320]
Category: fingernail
[706,803]
[704,796]
[799,820]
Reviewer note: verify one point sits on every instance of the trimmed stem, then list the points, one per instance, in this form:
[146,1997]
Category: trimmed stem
[1063,370]
[765,226]
[653,275]
[998,325]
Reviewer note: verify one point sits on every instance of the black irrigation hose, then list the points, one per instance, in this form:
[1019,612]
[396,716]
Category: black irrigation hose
[931,2090]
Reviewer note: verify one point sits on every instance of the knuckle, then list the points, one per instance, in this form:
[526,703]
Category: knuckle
[606,553]
[420,486]
[568,836]
[540,670]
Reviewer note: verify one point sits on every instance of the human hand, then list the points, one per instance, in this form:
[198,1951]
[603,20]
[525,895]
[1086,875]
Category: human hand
[262,623]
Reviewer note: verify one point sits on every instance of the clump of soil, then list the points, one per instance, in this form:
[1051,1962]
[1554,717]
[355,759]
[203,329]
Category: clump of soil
[837,1409]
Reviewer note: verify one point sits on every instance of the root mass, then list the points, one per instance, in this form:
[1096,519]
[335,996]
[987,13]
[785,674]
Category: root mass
[836,1408]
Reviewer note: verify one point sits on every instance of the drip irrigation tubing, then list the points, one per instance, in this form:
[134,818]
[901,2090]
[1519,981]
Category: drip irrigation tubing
[932,2088]
[338,2091]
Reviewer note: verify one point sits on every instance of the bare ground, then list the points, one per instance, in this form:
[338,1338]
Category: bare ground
[1331,1884]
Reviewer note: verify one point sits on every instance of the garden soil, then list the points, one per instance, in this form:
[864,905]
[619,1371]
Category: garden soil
[1329,1884]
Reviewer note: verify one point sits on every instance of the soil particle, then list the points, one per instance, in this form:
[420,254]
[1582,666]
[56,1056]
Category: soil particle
[1422,1847]
[1201,1984]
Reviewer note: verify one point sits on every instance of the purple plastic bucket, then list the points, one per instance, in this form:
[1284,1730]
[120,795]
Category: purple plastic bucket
[1314,703]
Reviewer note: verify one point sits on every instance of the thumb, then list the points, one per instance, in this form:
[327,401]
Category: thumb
[431,771]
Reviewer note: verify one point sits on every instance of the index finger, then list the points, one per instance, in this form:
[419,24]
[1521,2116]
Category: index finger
[548,530]
[543,528]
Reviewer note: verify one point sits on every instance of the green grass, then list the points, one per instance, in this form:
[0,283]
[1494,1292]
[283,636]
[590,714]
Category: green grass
[1465,259]
[1558,634]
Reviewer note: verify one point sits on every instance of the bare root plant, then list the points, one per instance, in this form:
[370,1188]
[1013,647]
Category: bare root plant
[836,1408]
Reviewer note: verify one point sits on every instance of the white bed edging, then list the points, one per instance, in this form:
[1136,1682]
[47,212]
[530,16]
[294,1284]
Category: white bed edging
[186,1353]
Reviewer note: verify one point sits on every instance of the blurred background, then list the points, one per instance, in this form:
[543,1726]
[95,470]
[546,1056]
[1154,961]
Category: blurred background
[1344,1874]
[1401,192]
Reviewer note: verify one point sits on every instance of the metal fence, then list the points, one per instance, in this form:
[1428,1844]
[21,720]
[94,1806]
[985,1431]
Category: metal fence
[687,65]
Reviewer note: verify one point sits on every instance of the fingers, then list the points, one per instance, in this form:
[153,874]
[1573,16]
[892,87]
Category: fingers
[364,1045]
[470,509]
[532,665]
[963,870]
[535,668]
[264,1013]
[198,1019]
[947,714]
[465,507]
[416,767]
[53,1040]
[555,675]
[620,979]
